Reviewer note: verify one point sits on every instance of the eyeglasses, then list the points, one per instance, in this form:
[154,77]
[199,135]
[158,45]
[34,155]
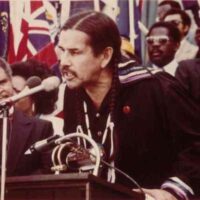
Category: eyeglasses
[161,39]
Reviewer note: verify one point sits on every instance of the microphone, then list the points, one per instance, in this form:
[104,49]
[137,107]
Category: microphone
[33,81]
[43,145]
[47,85]
[57,152]
[83,159]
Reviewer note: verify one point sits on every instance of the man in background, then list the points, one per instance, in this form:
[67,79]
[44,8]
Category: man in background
[188,73]
[166,5]
[163,40]
[182,21]
[23,132]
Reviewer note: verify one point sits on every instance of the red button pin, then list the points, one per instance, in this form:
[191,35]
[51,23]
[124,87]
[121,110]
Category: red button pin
[126,109]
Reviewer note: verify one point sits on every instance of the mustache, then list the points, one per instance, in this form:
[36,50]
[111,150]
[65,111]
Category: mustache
[156,51]
[66,70]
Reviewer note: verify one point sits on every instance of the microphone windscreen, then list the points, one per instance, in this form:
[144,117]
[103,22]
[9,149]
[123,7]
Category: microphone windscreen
[33,81]
[50,83]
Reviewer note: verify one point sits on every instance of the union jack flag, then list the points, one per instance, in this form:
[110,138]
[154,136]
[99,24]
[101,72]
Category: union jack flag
[30,36]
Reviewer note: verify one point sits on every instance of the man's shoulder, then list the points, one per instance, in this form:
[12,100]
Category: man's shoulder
[130,73]
[189,64]
[23,118]
[145,78]
[188,61]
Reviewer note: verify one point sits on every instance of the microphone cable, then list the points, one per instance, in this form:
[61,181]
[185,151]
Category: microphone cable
[124,174]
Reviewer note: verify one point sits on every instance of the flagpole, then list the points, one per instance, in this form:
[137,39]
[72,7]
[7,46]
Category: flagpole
[68,6]
[65,11]
[5,111]
[131,22]
[96,5]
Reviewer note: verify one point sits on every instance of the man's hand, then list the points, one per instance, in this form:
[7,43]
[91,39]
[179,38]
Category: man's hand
[157,194]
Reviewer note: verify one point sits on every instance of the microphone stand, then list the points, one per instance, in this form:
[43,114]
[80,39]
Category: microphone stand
[58,149]
[4,109]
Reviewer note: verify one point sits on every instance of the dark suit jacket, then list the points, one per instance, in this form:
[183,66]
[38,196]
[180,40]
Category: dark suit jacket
[154,137]
[188,73]
[24,132]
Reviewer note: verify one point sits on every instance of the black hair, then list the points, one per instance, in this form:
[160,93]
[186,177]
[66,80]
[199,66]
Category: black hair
[44,101]
[173,4]
[184,16]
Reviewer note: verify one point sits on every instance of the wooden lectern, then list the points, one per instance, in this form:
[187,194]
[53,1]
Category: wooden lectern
[71,186]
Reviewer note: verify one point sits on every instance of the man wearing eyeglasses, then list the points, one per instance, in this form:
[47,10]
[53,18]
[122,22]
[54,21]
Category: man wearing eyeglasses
[183,22]
[163,40]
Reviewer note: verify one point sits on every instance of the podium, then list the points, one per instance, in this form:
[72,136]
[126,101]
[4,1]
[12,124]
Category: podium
[73,186]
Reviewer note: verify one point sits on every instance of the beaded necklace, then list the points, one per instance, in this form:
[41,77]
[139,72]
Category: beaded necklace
[109,126]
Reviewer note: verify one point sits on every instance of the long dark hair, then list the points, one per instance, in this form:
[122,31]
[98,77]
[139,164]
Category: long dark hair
[102,32]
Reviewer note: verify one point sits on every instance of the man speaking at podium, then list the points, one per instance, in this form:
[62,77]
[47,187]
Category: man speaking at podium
[145,122]
[22,132]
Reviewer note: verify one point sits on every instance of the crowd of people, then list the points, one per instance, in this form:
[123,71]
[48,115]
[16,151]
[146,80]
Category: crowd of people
[145,117]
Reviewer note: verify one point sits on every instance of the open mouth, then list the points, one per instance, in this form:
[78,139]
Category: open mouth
[68,75]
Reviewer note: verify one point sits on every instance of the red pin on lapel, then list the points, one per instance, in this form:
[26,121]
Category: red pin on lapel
[126,109]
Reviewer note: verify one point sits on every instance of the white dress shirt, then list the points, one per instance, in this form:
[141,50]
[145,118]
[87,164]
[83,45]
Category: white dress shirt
[169,68]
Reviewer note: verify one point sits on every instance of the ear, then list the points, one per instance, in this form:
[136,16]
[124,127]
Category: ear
[106,56]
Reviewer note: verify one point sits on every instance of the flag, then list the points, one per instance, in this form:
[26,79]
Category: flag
[51,27]
[71,7]
[128,27]
[4,22]
[80,5]
[30,36]
[123,18]
[137,32]
[148,17]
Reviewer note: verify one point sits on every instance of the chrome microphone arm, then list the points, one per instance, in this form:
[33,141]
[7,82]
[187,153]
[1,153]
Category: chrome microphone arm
[66,138]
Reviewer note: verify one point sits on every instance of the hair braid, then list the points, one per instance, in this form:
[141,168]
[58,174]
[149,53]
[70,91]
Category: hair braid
[112,105]
[115,83]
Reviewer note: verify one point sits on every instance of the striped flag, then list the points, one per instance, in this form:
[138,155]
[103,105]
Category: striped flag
[30,34]
[4,18]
